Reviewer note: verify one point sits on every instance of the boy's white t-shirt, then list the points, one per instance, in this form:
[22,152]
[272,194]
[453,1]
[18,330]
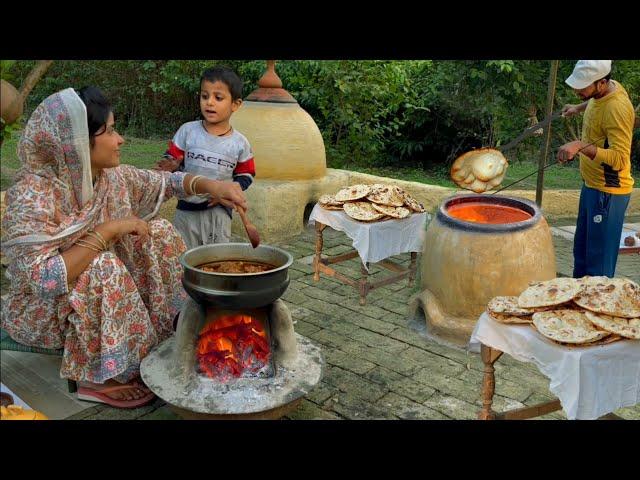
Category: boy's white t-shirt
[210,155]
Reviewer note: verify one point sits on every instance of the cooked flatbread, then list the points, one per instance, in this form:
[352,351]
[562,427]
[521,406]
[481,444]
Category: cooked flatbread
[567,326]
[389,195]
[550,292]
[330,207]
[362,211]
[329,200]
[395,212]
[603,341]
[479,170]
[508,318]
[507,305]
[377,186]
[626,327]
[354,192]
[618,297]
[413,204]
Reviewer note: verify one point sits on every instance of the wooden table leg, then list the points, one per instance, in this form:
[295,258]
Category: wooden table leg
[412,268]
[489,357]
[319,242]
[364,284]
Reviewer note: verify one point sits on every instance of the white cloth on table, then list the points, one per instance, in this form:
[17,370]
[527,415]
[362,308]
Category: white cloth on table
[376,241]
[588,381]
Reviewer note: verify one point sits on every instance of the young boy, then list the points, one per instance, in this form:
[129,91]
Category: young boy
[210,147]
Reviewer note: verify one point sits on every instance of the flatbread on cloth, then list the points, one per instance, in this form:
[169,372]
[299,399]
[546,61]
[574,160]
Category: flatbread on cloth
[362,211]
[389,195]
[507,318]
[413,204]
[395,212]
[550,292]
[507,305]
[603,341]
[329,200]
[354,192]
[618,297]
[567,326]
[625,327]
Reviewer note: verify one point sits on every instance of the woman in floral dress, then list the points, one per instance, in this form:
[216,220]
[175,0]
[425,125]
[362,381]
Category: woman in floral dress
[90,268]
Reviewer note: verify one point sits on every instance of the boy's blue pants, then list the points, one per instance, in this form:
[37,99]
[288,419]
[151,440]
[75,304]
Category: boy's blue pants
[598,229]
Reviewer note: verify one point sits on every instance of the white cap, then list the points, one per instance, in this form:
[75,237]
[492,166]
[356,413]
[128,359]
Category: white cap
[588,71]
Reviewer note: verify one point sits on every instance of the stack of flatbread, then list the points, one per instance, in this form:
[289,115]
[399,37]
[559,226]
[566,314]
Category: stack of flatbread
[371,203]
[569,311]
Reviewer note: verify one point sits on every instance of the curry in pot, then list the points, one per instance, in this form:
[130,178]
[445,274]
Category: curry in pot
[236,266]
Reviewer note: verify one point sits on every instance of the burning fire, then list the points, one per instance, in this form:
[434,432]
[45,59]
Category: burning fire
[484,213]
[230,345]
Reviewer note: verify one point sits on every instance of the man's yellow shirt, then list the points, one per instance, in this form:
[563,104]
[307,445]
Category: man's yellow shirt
[610,121]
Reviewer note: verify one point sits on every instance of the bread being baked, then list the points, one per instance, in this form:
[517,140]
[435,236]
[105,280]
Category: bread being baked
[479,170]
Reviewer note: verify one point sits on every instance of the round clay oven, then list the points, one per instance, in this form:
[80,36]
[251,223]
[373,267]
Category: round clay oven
[478,247]
[286,142]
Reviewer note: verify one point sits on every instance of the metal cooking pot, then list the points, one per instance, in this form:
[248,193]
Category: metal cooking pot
[235,290]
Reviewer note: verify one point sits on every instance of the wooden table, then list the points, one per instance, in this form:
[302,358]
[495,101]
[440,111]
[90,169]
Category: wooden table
[489,356]
[363,285]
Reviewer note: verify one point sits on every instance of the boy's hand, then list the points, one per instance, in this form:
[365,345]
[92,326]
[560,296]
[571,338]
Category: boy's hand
[168,164]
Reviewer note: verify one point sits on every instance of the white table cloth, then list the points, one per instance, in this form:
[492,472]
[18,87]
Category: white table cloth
[376,241]
[588,381]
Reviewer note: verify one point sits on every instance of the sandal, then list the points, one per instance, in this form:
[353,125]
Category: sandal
[99,396]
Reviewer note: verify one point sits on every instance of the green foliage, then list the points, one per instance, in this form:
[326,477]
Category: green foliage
[416,114]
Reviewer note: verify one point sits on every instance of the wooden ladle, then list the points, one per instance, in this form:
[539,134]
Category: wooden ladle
[252,231]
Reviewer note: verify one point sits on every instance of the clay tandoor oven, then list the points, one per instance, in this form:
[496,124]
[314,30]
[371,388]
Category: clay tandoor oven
[478,247]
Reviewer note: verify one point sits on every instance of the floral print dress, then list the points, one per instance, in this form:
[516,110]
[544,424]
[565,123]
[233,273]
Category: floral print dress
[125,301]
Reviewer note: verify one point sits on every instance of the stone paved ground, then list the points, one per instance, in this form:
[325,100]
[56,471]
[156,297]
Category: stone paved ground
[379,363]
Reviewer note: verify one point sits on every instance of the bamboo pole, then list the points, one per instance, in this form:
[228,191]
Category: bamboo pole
[551,92]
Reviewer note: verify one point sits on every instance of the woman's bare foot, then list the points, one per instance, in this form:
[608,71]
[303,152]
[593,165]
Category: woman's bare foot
[137,389]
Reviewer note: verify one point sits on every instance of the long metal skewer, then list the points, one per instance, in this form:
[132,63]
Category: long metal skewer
[547,166]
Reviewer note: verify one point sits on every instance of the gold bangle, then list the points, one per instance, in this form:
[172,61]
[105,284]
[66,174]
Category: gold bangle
[192,183]
[99,236]
[195,182]
[88,245]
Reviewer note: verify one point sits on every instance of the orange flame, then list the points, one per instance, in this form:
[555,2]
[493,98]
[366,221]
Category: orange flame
[229,345]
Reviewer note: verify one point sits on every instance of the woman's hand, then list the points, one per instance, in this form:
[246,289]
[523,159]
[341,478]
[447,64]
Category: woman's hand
[129,225]
[229,194]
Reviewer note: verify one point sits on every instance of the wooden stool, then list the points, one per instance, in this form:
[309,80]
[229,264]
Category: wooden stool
[363,285]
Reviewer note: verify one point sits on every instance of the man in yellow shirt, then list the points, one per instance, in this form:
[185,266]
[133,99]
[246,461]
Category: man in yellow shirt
[605,165]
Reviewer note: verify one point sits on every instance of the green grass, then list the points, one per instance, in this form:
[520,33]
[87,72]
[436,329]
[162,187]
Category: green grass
[144,153]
